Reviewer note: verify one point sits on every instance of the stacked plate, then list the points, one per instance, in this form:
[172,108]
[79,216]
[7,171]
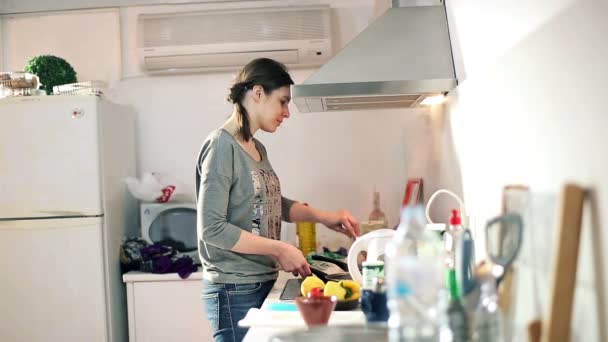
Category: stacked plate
[81,88]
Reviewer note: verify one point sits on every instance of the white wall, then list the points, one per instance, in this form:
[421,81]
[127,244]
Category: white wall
[531,111]
[481,30]
[330,160]
[88,40]
[1,42]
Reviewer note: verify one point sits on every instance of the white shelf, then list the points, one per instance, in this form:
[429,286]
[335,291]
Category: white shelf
[137,276]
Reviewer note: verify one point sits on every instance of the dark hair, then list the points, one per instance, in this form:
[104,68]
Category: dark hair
[264,72]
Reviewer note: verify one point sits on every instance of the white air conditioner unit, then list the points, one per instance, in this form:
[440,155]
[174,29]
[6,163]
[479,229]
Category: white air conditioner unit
[229,39]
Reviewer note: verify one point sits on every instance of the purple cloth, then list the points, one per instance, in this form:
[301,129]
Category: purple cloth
[158,258]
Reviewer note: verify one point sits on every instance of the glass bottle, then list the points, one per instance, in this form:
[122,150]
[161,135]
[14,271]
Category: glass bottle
[307,237]
[377,215]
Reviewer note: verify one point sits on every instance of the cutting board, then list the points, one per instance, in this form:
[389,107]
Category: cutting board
[556,324]
[275,319]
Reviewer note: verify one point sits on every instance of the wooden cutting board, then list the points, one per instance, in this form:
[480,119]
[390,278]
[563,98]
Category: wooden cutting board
[556,323]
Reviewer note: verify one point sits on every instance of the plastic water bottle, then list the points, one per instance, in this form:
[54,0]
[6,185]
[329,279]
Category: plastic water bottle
[414,278]
[457,316]
[488,320]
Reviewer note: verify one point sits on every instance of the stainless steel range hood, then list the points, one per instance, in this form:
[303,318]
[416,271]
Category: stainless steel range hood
[399,60]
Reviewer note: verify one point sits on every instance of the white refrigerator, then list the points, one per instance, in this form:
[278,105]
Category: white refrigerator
[64,209]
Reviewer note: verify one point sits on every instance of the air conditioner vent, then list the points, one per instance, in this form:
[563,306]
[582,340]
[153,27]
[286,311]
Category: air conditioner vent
[217,60]
[230,27]
[213,40]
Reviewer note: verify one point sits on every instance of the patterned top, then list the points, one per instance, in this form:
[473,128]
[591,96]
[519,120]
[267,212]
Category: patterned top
[235,193]
[266,204]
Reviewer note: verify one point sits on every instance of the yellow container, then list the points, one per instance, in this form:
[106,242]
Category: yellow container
[307,237]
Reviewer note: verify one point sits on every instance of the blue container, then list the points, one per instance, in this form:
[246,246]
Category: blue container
[373,305]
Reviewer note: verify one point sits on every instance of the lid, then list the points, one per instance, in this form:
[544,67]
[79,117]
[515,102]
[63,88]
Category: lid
[455,219]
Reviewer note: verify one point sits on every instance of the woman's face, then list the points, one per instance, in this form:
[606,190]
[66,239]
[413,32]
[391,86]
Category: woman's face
[272,108]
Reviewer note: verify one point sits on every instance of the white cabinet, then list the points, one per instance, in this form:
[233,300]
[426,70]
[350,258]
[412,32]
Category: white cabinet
[164,307]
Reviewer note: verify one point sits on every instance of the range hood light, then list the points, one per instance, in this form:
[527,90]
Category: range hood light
[433,100]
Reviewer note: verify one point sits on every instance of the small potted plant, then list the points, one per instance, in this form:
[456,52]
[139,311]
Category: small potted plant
[51,70]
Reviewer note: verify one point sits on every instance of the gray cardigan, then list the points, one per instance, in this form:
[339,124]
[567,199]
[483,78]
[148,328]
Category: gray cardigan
[225,176]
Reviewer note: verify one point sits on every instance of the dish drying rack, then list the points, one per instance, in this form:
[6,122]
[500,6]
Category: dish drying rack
[81,88]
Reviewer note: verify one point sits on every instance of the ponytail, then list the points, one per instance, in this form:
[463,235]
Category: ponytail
[265,72]
[237,92]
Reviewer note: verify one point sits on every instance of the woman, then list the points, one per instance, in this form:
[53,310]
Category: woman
[240,206]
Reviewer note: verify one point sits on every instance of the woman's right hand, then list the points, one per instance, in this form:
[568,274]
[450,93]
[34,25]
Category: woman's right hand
[292,260]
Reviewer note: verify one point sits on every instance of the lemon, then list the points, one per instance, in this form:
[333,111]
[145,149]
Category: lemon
[333,288]
[310,283]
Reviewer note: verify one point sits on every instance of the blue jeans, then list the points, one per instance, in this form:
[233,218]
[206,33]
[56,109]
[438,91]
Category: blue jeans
[226,304]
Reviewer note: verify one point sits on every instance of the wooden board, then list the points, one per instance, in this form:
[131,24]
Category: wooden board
[556,323]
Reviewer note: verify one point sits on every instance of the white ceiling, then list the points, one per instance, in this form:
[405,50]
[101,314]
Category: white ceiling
[28,6]
[24,6]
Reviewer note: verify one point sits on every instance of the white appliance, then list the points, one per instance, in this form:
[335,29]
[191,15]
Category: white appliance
[230,38]
[64,209]
[374,243]
[171,223]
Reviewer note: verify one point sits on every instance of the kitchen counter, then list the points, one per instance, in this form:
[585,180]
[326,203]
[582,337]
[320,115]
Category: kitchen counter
[289,320]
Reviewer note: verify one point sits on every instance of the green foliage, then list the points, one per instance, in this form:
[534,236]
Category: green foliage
[51,70]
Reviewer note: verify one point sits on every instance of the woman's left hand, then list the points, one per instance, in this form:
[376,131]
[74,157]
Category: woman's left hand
[342,221]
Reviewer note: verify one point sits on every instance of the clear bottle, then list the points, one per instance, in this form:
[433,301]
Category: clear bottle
[414,279]
[377,215]
[456,314]
[451,238]
[488,320]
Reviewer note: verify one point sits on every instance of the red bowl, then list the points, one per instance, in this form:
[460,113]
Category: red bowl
[316,311]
